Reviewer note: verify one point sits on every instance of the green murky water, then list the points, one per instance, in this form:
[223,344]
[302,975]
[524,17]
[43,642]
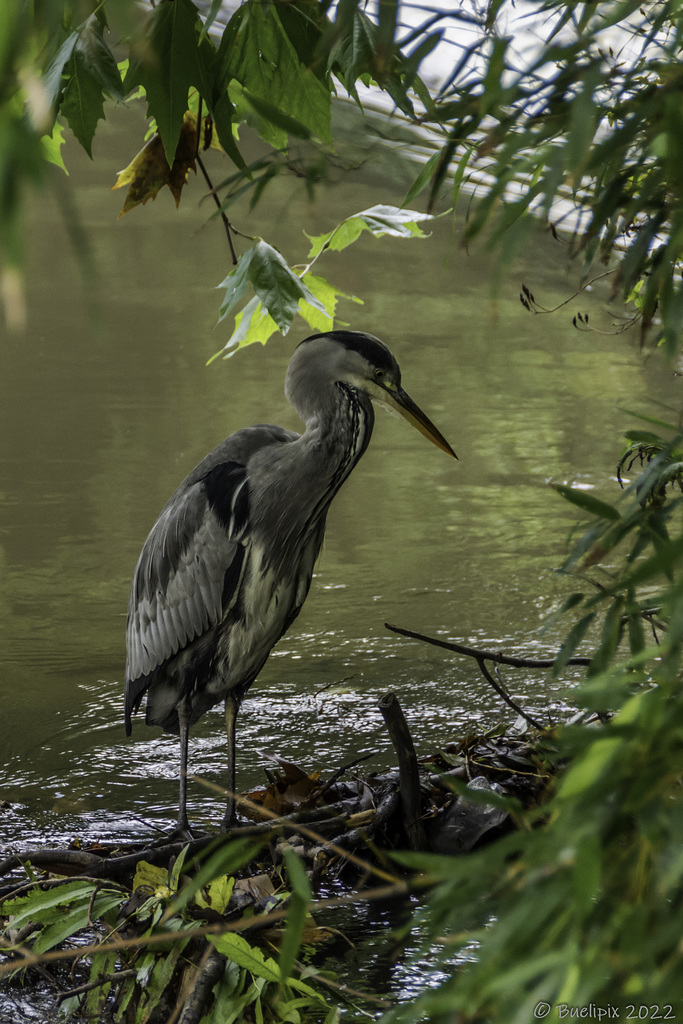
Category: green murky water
[107,403]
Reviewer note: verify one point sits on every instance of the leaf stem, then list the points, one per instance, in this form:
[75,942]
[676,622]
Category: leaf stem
[226,222]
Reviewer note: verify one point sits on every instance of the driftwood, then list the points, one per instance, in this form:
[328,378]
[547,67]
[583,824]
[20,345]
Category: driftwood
[408,770]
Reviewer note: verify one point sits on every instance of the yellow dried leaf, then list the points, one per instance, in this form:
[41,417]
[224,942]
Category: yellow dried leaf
[149,170]
[152,877]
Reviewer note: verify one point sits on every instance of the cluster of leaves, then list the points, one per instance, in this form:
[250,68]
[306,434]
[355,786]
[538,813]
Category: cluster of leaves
[585,126]
[273,66]
[158,938]
[588,898]
[280,293]
[589,113]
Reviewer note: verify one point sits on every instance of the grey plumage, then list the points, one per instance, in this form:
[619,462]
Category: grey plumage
[228,563]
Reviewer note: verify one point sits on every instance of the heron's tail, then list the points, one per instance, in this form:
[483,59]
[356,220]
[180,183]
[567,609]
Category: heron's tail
[135,691]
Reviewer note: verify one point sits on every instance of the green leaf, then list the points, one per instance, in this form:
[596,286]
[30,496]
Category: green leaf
[252,324]
[103,966]
[583,120]
[339,238]
[52,146]
[297,912]
[379,220]
[583,774]
[662,563]
[152,877]
[275,284]
[411,62]
[160,977]
[211,16]
[485,797]
[224,860]
[277,117]
[395,221]
[643,437]
[423,178]
[572,641]
[636,632]
[611,634]
[227,1005]
[177,869]
[97,57]
[52,77]
[82,102]
[76,917]
[236,283]
[586,501]
[218,893]
[245,111]
[354,52]
[237,949]
[310,993]
[38,906]
[169,67]
[654,420]
[257,52]
[326,294]
[384,52]
[460,174]
[571,602]
[223,111]
[588,871]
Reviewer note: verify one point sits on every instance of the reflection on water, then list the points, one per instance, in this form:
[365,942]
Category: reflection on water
[104,412]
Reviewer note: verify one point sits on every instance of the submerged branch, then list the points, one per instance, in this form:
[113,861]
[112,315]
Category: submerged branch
[474,652]
[502,692]
[498,658]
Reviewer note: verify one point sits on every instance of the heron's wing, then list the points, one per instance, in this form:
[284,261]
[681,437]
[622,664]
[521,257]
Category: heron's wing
[189,569]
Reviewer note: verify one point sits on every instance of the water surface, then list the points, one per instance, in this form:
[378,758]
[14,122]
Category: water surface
[107,403]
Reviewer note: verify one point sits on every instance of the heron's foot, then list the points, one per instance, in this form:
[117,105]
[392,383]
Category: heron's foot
[183,833]
[230,819]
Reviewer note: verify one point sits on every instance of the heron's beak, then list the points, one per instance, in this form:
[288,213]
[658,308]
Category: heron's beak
[403,403]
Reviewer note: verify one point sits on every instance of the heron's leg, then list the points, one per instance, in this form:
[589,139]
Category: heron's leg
[232,706]
[184,725]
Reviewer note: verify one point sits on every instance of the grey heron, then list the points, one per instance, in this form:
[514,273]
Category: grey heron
[228,564]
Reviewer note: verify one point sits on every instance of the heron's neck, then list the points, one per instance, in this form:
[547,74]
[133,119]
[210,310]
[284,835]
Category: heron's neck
[338,431]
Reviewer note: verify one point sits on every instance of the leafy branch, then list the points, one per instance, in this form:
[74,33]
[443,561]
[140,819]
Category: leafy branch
[281,293]
[172,938]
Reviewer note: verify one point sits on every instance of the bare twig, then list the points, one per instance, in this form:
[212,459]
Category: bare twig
[199,128]
[226,222]
[276,823]
[502,692]
[319,793]
[473,652]
[481,657]
[529,302]
[102,979]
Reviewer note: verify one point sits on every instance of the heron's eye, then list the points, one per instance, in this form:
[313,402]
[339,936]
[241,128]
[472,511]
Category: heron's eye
[379,374]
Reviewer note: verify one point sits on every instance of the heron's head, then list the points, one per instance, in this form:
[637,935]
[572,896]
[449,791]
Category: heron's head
[361,361]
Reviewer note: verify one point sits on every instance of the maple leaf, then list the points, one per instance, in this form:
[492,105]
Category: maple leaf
[149,170]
